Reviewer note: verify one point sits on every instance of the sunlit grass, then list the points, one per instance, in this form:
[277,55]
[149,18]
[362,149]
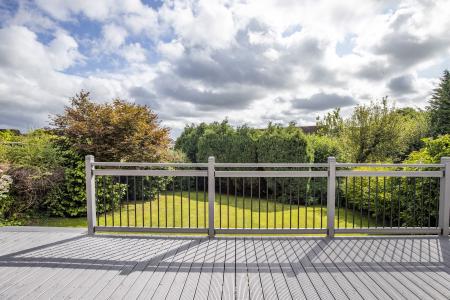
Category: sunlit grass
[172,210]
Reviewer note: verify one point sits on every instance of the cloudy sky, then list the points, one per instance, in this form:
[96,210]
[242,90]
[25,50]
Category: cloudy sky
[191,61]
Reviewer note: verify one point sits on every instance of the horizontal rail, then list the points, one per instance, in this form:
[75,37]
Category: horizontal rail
[142,164]
[270,165]
[389,230]
[355,165]
[271,231]
[271,173]
[389,173]
[150,229]
[120,172]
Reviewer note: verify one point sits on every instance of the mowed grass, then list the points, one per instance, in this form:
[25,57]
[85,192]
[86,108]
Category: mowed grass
[174,210]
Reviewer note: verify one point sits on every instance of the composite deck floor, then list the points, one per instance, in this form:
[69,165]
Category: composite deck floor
[49,263]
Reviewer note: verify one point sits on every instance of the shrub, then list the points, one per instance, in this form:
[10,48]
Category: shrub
[324,147]
[112,131]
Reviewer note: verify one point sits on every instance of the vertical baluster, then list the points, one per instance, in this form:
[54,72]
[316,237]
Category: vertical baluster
[290,203]
[267,202]
[361,204]
[275,203]
[189,201]
[414,201]
[104,199]
[368,205]
[298,202]
[143,201]
[228,202]
[196,200]
[173,202]
[135,201]
[338,200]
[151,197]
[314,201]
[346,201]
[354,201]
[235,203]
[282,201]
[243,202]
[181,203]
[158,200]
[120,201]
[220,202]
[384,201]
[251,203]
[376,201]
[165,204]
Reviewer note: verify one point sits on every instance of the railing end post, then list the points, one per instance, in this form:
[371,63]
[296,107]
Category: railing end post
[211,195]
[90,193]
[444,198]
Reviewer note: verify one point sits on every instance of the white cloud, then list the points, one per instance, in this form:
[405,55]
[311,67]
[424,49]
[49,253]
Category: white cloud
[113,36]
[248,60]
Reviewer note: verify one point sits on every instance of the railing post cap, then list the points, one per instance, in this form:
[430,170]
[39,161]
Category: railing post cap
[445,159]
[89,158]
[331,159]
[211,159]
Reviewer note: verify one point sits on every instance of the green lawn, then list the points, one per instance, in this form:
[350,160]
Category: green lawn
[176,211]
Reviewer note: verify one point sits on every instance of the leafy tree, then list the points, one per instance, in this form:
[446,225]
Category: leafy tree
[440,106]
[325,146]
[283,144]
[187,142]
[113,131]
[227,144]
[434,149]
[376,132]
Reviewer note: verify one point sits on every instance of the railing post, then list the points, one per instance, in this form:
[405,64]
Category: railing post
[90,193]
[211,195]
[444,198]
[331,195]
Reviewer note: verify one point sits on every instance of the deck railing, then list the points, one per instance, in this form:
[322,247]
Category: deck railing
[268,198]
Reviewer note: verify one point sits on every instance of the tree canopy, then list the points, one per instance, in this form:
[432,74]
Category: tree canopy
[440,106]
[113,131]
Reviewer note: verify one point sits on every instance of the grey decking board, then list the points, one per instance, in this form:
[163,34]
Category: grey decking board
[228,284]
[190,284]
[365,284]
[202,289]
[150,269]
[267,282]
[427,286]
[122,288]
[295,290]
[300,273]
[242,280]
[216,285]
[283,288]
[254,279]
[372,271]
[182,275]
[66,264]
[169,276]
[317,279]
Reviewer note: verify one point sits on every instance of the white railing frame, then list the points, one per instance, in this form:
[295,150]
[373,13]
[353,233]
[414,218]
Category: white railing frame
[331,174]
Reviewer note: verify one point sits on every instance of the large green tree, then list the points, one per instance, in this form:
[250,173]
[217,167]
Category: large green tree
[376,131]
[440,106]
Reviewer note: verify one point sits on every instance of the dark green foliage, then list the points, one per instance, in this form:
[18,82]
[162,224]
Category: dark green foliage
[283,144]
[440,106]
[325,146]
[402,201]
[227,144]
[188,140]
